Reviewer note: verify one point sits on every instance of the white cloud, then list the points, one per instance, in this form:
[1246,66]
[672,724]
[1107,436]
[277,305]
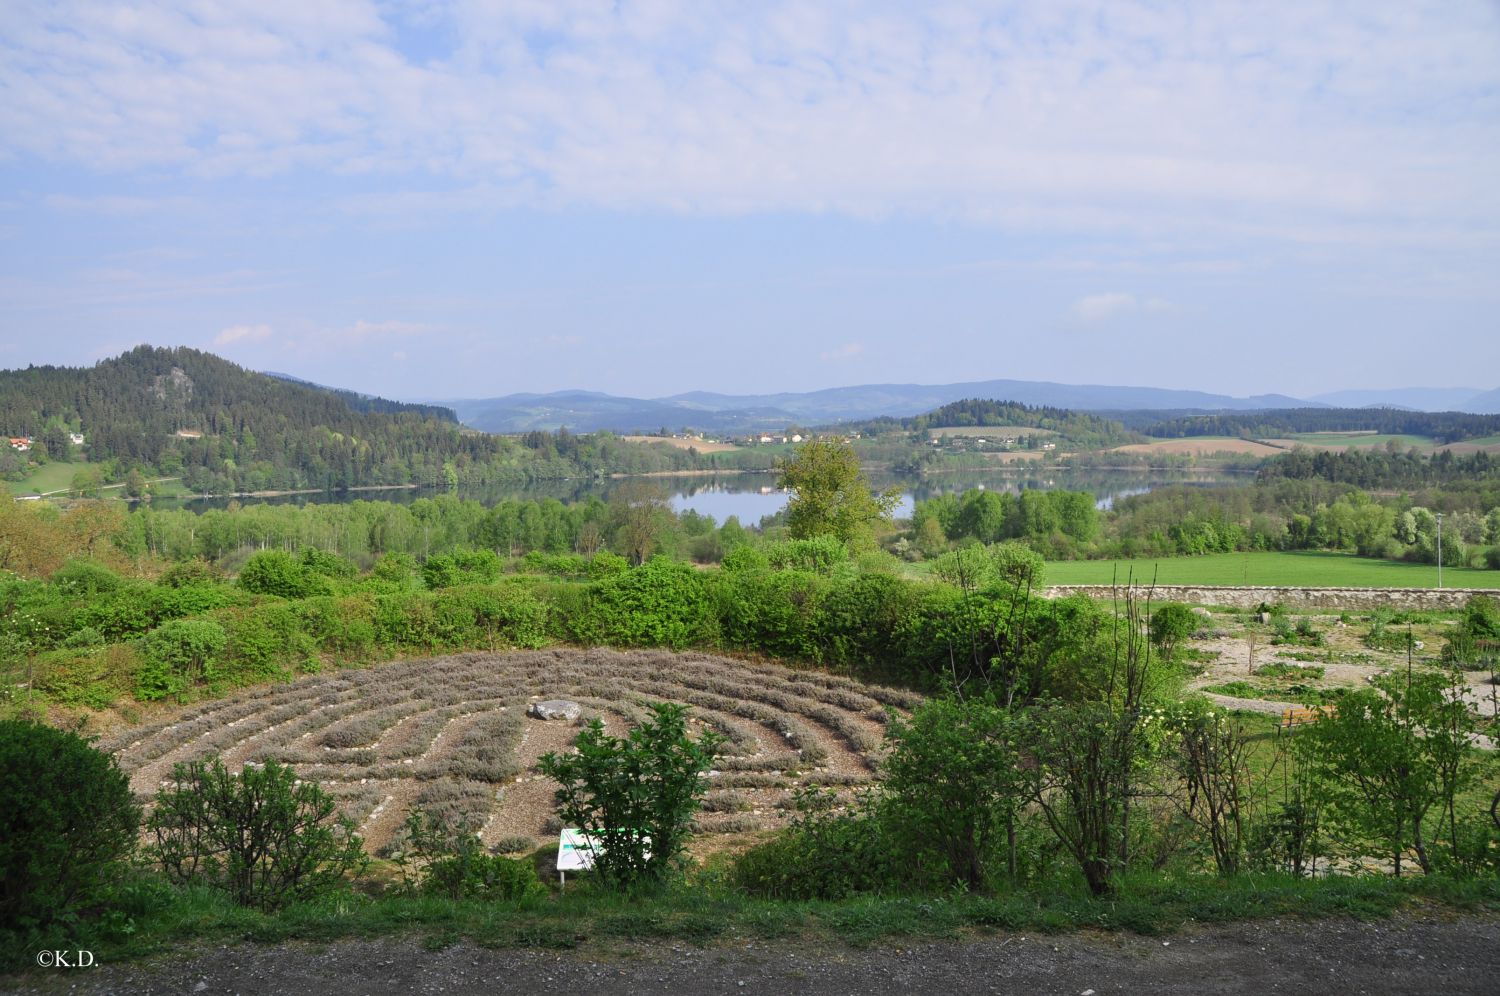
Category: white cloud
[847,351]
[1295,122]
[1103,307]
[362,329]
[242,333]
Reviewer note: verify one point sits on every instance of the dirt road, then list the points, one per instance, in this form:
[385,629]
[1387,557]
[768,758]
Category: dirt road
[1407,954]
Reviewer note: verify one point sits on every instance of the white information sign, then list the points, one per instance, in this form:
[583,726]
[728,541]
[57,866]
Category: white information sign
[575,851]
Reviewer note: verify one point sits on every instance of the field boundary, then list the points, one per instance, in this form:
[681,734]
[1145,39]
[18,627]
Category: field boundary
[1248,597]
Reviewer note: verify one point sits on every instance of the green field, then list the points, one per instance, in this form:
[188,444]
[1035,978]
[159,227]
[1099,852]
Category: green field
[1293,568]
[1359,439]
[48,477]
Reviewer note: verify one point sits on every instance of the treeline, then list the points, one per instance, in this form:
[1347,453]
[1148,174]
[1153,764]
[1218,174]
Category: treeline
[1081,429]
[1186,521]
[227,430]
[1383,468]
[1445,427]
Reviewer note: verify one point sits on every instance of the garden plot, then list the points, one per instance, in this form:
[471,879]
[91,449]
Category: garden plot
[451,735]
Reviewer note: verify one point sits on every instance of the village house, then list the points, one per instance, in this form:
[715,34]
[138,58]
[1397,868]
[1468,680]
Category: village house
[76,438]
[20,444]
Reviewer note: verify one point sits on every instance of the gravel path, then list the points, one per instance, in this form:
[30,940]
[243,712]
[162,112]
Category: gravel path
[1407,954]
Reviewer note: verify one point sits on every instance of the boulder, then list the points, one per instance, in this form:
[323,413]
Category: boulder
[555,709]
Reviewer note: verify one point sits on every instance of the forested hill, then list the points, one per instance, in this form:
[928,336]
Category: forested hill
[370,403]
[1081,428]
[222,428]
[1445,427]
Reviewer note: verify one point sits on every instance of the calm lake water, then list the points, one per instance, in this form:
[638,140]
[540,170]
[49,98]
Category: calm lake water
[751,497]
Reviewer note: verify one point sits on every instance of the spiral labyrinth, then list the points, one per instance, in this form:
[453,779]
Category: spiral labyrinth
[451,735]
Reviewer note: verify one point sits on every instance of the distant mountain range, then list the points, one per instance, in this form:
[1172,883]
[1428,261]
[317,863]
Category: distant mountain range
[587,411]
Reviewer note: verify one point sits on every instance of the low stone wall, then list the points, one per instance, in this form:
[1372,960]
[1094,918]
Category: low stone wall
[1293,598]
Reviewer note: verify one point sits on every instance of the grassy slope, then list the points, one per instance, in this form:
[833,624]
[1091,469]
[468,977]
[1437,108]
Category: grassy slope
[1345,440]
[48,477]
[1291,568]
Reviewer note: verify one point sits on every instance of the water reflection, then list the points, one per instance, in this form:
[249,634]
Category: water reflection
[754,496]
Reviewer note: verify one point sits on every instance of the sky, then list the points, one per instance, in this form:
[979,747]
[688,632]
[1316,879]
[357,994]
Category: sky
[467,199]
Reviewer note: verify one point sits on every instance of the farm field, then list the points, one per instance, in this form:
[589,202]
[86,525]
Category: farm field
[1345,440]
[1201,446]
[452,736]
[1289,568]
[701,445]
[1486,444]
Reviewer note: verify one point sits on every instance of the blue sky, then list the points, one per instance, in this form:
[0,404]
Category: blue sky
[464,199]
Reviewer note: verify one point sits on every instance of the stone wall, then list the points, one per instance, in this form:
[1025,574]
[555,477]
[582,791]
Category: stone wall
[1293,598]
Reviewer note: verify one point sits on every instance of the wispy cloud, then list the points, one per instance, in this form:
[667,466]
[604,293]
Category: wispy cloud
[847,351]
[1103,307]
[242,333]
[1296,119]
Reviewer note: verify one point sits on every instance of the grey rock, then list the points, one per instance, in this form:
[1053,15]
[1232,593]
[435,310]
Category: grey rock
[555,709]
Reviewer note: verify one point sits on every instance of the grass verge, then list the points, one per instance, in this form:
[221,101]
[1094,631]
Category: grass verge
[152,918]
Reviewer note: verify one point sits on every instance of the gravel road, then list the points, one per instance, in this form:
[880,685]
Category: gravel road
[1406,954]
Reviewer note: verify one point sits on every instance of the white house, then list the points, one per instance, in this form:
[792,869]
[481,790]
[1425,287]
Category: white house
[76,438]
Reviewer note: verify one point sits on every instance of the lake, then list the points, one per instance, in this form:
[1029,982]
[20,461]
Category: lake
[754,496]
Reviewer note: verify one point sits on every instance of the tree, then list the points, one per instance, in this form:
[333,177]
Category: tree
[263,836]
[830,496]
[1390,754]
[636,795]
[953,786]
[67,823]
[641,517]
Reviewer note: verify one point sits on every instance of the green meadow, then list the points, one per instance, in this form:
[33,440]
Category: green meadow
[1290,568]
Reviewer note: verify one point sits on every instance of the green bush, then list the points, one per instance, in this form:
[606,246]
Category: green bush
[636,795]
[826,853]
[262,836]
[771,612]
[178,655]
[85,578]
[819,554]
[187,573]
[450,861]
[67,824]
[1170,625]
[661,603]
[461,567]
[276,572]
[266,642]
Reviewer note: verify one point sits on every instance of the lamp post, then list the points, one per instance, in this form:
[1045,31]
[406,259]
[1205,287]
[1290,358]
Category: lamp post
[1440,549]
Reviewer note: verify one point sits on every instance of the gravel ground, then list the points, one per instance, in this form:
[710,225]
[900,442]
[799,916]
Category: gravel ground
[1406,954]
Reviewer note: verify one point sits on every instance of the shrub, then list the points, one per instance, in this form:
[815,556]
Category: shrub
[187,573]
[178,655]
[660,603]
[773,612]
[953,787]
[1170,625]
[819,554]
[276,572]
[606,565]
[461,567]
[826,853]
[67,823]
[85,578]
[261,836]
[450,861]
[636,795]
